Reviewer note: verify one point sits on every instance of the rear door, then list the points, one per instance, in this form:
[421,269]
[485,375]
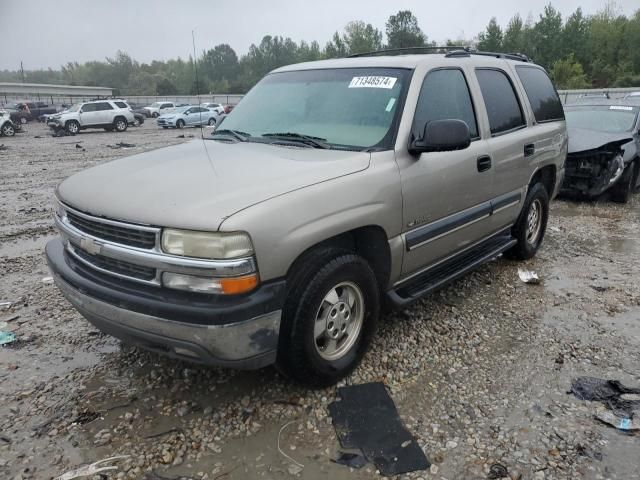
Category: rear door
[446,195]
[509,141]
[106,113]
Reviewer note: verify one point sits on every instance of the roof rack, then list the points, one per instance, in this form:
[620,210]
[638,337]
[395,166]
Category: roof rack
[449,51]
[408,50]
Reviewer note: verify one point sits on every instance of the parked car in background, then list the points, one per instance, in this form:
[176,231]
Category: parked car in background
[217,107]
[138,119]
[604,148]
[228,108]
[334,187]
[7,127]
[632,96]
[26,111]
[189,116]
[159,108]
[108,114]
[141,109]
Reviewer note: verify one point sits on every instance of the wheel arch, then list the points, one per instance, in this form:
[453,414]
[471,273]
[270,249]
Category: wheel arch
[547,176]
[370,242]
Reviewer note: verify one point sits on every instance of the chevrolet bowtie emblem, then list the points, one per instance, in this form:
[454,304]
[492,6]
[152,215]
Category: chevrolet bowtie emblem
[90,246]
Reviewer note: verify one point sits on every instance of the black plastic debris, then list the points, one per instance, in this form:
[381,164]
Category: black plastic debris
[353,460]
[497,471]
[610,392]
[366,418]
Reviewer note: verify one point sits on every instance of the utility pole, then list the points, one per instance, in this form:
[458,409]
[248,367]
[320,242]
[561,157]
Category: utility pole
[22,71]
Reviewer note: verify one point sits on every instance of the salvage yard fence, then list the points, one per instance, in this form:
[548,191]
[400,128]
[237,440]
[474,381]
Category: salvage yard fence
[225,99]
[569,96]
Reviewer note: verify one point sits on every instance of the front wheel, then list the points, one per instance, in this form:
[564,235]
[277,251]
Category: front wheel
[180,124]
[155,114]
[622,190]
[212,122]
[531,225]
[8,130]
[72,127]
[329,318]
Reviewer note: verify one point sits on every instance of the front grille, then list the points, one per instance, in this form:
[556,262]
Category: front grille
[117,266]
[124,235]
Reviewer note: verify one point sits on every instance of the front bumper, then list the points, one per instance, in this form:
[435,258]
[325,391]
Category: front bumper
[240,332]
[163,122]
[591,175]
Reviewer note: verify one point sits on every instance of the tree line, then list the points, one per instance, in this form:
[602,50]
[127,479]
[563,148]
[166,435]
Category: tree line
[581,51]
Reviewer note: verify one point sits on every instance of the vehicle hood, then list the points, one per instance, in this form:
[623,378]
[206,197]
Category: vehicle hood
[581,140]
[196,185]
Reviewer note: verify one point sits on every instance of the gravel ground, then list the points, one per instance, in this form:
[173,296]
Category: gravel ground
[479,371]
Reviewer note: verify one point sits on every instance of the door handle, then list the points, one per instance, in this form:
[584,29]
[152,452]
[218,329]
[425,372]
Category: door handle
[484,163]
[529,149]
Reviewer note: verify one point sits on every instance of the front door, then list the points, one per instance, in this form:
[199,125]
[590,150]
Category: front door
[89,115]
[446,195]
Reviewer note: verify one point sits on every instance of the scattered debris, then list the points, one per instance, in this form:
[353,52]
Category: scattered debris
[7,338]
[366,418]
[600,288]
[180,136]
[624,423]
[497,471]
[122,145]
[528,276]
[587,451]
[92,469]
[4,147]
[164,432]
[78,145]
[610,392]
[296,463]
[47,280]
[6,304]
[352,460]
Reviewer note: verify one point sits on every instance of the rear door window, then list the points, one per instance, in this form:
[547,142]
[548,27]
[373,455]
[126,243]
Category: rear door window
[166,105]
[444,95]
[103,106]
[541,93]
[501,101]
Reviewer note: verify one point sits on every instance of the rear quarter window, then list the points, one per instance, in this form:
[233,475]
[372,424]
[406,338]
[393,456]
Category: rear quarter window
[541,93]
[121,104]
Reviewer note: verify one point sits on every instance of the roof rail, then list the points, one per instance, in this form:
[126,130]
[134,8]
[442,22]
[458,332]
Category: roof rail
[408,50]
[451,51]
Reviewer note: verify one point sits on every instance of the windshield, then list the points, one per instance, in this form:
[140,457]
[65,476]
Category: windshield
[349,108]
[74,108]
[180,109]
[601,118]
[155,105]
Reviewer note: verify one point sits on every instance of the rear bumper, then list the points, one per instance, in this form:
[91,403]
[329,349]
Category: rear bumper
[242,334]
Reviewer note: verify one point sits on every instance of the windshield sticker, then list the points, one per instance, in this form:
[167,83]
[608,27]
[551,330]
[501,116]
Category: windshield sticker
[372,82]
[392,102]
[617,107]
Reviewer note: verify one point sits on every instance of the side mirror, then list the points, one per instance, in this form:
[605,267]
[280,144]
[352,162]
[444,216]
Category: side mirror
[81,111]
[442,136]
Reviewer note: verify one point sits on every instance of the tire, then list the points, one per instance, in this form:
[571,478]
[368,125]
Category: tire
[7,130]
[623,189]
[316,314]
[211,122]
[136,122]
[155,114]
[72,127]
[120,124]
[530,227]
[180,124]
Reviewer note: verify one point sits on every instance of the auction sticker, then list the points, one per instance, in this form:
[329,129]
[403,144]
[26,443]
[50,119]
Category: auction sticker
[620,107]
[372,82]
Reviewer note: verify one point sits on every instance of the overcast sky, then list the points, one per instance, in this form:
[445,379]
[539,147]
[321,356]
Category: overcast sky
[47,33]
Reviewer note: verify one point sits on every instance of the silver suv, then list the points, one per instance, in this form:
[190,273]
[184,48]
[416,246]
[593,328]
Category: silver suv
[333,189]
[108,114]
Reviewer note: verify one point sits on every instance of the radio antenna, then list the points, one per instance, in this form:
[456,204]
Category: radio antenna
[195,68]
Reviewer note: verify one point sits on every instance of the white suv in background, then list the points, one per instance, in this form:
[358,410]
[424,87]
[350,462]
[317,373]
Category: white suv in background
[218,108]
[160,108]
[108,114]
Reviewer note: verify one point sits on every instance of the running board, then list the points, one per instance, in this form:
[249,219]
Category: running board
[444,273]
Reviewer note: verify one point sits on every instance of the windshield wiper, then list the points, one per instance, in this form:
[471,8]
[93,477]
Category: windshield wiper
[316,142]
[237,134]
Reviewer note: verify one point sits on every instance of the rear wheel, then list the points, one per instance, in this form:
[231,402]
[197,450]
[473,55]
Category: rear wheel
[212,122]
[622,190]
[180,124]
[72,127]
[8,130]
[329,318]
[155,114]
[120,124]
[531,225]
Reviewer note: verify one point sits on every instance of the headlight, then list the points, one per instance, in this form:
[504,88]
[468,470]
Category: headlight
[225,286]
[218,245]
[618,165]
